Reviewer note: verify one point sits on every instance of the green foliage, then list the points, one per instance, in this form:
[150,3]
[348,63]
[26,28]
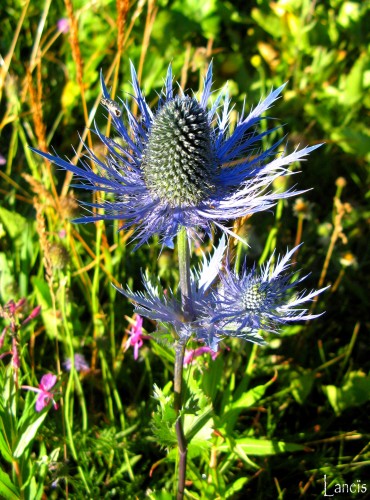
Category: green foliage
[355,391]
[261,422]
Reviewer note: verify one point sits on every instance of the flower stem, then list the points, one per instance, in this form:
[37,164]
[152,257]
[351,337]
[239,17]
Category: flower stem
[184,269]
[181,440]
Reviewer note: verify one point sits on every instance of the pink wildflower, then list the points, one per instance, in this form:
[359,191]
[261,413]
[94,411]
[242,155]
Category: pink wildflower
[194,353]
[136,336]
[45,393]
[63,25]
[34,313]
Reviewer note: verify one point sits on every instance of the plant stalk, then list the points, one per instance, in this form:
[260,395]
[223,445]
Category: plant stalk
[184,269]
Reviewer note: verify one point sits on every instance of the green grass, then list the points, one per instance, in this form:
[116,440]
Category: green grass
[266,422]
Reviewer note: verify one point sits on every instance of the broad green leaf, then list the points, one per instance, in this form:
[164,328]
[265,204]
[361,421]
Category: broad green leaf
[234,408]
[8,490]
[51,321]
[354,392]
[199,425]
[211,376]
[270,23]
[4,447]
[301,386]
[13,222]
[235,487]
[262,447]
[7,281]
[28,435]
[354,85]
[353,140]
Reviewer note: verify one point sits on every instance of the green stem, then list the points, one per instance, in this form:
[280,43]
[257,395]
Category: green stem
[184,269]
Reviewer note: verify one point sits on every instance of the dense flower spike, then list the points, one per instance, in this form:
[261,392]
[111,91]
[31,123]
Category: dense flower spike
[180,166]
[255,301]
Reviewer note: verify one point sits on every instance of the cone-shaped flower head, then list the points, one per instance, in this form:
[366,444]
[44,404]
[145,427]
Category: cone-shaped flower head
[250,301]
[180,165]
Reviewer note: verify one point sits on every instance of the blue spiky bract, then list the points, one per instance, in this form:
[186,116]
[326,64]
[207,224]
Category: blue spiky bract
[260,300]
[230,304]
[179,165]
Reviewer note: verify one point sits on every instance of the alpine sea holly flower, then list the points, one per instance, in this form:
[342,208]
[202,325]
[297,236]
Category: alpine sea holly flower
[166,307]
[262,300]
[180,165]
[45,392]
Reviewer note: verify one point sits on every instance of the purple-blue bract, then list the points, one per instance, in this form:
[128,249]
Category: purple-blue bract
[239,305]
[180,165]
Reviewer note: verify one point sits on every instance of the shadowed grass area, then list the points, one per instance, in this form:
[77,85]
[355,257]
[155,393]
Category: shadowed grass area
[284,421]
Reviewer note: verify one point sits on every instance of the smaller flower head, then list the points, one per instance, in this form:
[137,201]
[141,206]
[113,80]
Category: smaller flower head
[45,392]
[252,301]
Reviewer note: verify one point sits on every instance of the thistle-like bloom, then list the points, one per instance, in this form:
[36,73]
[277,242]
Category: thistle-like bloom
[165,306]
[45,392]
[180,165]
[262,300]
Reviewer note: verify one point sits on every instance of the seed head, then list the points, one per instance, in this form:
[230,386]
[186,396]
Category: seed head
[178,163]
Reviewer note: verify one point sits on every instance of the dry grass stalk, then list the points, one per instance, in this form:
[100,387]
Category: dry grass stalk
[122,11]
[36,107]
[76,54]
[149,22]
[75,46]
[39,189]
[44,243]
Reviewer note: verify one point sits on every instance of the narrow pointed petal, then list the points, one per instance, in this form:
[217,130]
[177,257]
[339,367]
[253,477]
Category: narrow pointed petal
[207,86]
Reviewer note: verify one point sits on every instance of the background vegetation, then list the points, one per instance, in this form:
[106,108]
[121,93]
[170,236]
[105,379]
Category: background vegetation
[274,420]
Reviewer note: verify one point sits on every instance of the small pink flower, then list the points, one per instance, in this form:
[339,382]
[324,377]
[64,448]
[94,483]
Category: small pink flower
[16,362]
[136,336]
[63,25]
[13,307]
[194,353]
[36,311]
[45,393]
